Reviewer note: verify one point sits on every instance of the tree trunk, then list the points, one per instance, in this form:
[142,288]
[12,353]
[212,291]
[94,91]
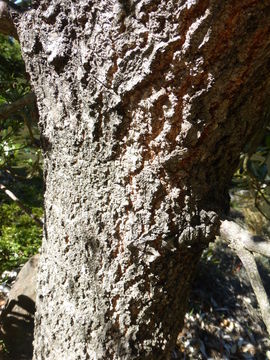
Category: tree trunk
[144,108]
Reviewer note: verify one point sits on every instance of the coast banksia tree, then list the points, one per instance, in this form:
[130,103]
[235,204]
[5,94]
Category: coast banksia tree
[144,108]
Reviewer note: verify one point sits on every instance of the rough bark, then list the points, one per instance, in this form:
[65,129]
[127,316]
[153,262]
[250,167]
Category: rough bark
[144,107]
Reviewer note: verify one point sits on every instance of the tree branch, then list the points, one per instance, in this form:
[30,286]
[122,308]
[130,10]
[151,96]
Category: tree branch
[8,109]
[250,265]
[21,205]
[237,235]
[6,23]
[241,241]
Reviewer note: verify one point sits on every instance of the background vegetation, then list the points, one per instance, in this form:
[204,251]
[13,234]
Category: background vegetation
[20,163]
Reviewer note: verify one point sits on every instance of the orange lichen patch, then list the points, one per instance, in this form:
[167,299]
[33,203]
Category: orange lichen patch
[115,324]
[134,310]
[256,42]
[117,246]
[254,49]
[113,69]
[119,273]
[157,117]
[213,108]
[114,301]
[230,27]
[188,16]
[189,85]
[189,161]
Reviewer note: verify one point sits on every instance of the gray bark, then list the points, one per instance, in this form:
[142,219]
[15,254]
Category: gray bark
[144,107]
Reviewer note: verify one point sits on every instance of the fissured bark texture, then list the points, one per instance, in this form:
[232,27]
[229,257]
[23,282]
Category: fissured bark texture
[144,107]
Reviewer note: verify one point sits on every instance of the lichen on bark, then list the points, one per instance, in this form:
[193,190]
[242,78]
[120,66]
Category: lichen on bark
[144,107]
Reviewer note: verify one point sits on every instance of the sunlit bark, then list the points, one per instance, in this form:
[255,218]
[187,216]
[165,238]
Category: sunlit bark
[144,108]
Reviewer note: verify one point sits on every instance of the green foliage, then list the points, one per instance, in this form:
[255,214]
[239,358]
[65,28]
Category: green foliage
[20,163]
[254,174]
[19,236]
[208,256]
[19,133]
[13,82]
